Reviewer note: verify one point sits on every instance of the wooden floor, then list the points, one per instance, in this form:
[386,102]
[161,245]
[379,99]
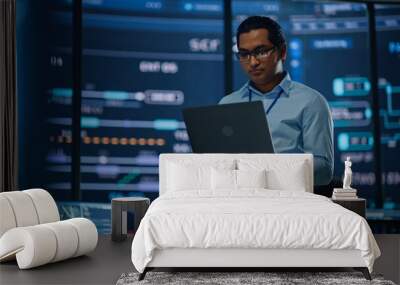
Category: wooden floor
[103,266]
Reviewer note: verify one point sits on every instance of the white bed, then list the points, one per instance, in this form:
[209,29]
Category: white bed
[198,223]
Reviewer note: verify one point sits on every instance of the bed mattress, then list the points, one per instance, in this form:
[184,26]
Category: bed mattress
[251,219]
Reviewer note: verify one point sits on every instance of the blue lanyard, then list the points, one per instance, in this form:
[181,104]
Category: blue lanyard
[273,102]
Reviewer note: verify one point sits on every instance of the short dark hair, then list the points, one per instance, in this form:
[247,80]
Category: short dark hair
[275,33]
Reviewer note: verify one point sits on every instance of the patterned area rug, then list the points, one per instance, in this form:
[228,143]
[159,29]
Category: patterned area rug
[243,278]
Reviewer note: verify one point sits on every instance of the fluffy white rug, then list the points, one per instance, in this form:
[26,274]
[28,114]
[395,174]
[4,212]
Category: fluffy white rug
[243,278]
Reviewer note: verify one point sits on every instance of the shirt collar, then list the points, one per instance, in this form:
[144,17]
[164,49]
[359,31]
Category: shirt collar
[284,85]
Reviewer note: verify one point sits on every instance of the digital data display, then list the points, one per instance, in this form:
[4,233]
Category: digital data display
[143,61]
[388,41]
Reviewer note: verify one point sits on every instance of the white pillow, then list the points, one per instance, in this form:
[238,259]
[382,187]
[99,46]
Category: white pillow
[251,179]
[236,179]
[193,175]
[223,179]
[293,179]
[282,175]
[188,177]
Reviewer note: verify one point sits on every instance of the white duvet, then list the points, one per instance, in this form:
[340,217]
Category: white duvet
[253,218]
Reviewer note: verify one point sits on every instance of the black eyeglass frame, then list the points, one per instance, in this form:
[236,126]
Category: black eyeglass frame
[259,53]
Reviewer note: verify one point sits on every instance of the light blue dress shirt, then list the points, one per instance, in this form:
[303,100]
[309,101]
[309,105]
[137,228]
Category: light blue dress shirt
[299,122]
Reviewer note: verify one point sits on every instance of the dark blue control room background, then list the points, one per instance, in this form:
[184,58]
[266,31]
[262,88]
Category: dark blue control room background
[144,60]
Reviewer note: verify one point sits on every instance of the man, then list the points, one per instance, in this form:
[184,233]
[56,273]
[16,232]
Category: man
[298,116]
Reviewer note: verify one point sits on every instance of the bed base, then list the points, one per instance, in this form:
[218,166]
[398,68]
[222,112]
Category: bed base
[364,271]
[242,259]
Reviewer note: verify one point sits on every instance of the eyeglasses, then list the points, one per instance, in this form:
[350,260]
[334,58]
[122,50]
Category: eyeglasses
[259,53]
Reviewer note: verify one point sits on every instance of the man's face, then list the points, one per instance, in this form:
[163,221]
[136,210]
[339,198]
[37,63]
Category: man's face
[263,69]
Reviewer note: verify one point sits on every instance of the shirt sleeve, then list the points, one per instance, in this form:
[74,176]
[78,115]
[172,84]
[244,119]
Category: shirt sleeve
[318,138]
[224,100]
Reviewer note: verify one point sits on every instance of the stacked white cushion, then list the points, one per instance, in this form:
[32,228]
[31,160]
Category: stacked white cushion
[67,240]
[23,208]
[87,235]
[7,219]
[45,205]
[31,232]
[41,244]
[32,246]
